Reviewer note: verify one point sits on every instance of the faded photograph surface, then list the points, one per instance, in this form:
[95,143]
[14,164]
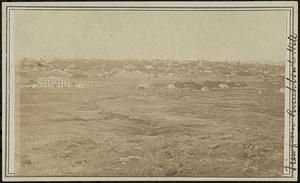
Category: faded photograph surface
[149,93]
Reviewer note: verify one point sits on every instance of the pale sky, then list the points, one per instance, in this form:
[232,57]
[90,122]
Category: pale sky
[208,35]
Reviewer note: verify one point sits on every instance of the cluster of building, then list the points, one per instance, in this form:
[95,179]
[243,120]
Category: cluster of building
[206,85]
[56,82]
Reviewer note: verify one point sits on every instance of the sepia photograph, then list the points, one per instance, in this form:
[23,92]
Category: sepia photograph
[149,91]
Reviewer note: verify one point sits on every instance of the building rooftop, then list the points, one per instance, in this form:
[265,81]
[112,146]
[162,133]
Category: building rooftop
[52,78]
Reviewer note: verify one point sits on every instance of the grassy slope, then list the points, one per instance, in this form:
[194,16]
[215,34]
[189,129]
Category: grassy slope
[114,130]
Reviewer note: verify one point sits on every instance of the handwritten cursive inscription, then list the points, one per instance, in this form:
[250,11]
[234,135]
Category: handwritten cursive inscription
[291,111]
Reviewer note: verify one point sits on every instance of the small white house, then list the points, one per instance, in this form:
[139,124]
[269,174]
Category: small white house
[223,86]
[281,90]
[171,86]
[204,89]
[79,85]
[141,86]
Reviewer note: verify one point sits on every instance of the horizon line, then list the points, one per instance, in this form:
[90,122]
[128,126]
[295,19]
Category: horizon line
[158,59]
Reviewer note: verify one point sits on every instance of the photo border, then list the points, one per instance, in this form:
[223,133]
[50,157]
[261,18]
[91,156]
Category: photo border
[291,139]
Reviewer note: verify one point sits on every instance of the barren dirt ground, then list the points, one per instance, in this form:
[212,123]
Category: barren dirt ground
[115,130]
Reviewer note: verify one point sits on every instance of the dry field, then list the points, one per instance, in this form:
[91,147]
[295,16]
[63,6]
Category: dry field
[114,130]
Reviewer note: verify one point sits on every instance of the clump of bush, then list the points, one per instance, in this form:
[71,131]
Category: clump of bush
[189,85]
